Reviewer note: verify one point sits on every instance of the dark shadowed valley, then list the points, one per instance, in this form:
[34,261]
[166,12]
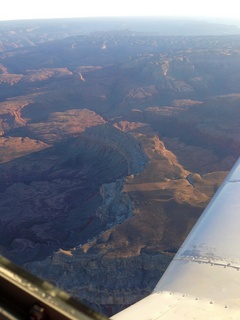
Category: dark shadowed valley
[114,136]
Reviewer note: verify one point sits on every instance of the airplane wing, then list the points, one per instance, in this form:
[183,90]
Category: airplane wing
[203,279]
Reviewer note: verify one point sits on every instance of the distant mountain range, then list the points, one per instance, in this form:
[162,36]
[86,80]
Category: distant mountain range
[29,32]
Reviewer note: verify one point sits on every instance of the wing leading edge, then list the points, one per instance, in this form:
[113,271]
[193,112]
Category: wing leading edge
[203,279]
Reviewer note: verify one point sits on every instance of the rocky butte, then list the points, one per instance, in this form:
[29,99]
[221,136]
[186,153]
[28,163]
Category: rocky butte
[112,143]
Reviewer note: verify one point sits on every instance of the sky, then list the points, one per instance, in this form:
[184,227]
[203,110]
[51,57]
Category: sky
[44,9]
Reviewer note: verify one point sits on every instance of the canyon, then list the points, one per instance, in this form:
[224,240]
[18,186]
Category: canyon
[112,142]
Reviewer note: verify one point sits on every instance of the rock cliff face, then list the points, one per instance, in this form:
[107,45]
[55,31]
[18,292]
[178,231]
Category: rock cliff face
[116,205]
[123,143]
[108,284]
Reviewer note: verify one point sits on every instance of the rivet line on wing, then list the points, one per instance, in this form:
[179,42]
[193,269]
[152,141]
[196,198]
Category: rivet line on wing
[209,262]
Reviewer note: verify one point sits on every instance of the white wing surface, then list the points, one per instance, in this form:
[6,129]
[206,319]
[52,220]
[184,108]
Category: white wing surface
[203,280]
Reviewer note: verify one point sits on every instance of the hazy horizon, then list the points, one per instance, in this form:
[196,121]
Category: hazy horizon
[130,21]
[27,9]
